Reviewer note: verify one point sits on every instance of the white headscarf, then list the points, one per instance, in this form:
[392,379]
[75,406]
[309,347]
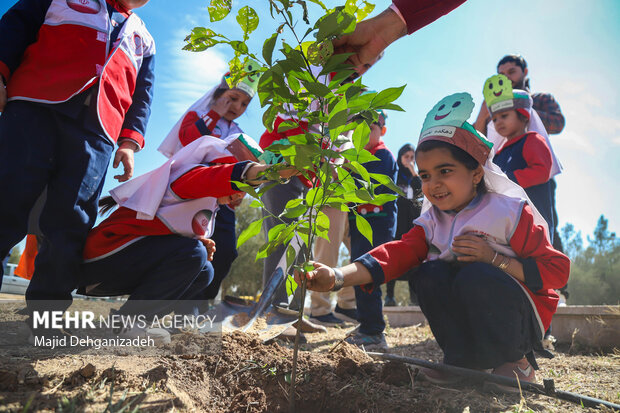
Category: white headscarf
[144,193]
[171,143]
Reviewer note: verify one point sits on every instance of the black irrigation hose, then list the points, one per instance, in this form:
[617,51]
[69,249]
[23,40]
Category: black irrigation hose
[548,389]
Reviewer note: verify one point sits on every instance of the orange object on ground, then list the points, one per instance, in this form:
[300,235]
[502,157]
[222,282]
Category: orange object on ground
[25,268]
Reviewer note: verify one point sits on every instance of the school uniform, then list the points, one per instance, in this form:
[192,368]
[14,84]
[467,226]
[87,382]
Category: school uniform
[480,315]
[79,79]
[526,160]
[382,219]
[127,253]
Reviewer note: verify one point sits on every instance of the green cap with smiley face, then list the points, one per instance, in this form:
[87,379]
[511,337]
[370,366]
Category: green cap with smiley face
[249,82]
[447,122]
[500,97]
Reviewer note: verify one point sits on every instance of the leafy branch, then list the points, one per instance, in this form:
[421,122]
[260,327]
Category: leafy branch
[314,92]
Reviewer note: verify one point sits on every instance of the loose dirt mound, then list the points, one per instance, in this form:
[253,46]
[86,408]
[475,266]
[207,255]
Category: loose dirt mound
[246,375]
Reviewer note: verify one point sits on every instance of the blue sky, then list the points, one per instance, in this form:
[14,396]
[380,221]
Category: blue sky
[570,47]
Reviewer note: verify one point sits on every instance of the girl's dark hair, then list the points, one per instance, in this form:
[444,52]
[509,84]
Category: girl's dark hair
[403,150]
[459,155]
[216,95]
[106,204]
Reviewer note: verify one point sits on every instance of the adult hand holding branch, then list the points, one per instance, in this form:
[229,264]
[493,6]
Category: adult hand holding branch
[370,38]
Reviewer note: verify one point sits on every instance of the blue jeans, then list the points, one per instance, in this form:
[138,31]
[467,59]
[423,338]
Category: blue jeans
[369,305]
[161,270]
[40,147]
[479,315]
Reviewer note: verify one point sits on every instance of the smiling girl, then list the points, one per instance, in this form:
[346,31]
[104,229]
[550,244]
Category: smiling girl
[486,267]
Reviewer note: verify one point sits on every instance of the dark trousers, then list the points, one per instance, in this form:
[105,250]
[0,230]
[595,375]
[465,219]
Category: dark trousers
[408,276]
[479,315]
[225,249]
[157,272]
[40,147]
[369,305]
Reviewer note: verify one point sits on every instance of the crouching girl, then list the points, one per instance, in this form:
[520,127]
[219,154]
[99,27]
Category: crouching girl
[486,268]
[156,245]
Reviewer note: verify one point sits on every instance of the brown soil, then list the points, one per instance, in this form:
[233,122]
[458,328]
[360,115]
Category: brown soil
[247,375]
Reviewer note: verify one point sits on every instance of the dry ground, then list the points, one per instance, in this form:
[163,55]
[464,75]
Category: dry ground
[250,376]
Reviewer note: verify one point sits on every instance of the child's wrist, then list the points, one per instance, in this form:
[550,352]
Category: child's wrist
[129,144]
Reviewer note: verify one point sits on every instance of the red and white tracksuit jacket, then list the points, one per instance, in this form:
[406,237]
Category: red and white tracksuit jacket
[506,223]
[70,55]
[188,209]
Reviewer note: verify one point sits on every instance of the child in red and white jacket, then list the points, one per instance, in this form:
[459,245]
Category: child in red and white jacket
[156,245]
[79,79]
[215,114]
[486,267]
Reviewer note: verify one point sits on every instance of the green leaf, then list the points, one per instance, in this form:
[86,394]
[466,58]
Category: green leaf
[381,199]
[364,156]
[248,189]
[364,195]
[387,181]
[387,96]
[292,203]
[361,136]
[247,19]
[294,212]
[239,46]
[252,230]
[363,227]
[317,89]
[201,39]
[314,196]
[360,170]
[291,256]
[291,285]
[287,125]
[273,233]
[256,204]
[319,53]
[322,225]
[268,47]
[218,9]
[338,119]
[269,117]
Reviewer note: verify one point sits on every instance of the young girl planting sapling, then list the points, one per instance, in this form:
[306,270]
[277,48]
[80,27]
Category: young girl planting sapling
[486,267]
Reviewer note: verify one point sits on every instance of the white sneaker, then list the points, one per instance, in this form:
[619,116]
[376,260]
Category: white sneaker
[159,335]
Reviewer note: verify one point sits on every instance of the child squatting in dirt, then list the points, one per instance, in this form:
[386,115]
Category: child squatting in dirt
[486,267]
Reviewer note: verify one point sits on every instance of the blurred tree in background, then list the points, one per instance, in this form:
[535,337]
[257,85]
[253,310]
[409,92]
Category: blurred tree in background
[595,269]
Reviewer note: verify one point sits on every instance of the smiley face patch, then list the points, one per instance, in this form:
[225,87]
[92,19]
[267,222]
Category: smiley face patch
[452,110]
[497,88]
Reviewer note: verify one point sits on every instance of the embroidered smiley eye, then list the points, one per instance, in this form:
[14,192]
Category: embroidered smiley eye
[456,104]
[501,82]
[491,85]
[441,108]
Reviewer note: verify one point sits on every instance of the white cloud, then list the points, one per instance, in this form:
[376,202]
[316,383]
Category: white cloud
[188,75]
[590,122]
